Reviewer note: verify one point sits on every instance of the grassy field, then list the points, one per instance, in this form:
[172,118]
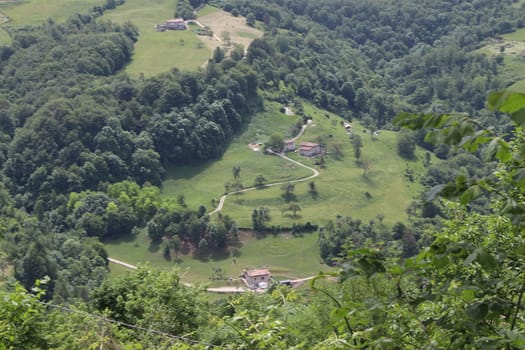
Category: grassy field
[157,52]
[514,62]
[221,22]
[207,10]
[341,185]
[341,190]
[5,39]
[286,256]
[201,183]
[31,12]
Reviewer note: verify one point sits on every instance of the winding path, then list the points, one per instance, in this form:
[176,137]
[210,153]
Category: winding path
[315,174]
[251,188]
[122,263]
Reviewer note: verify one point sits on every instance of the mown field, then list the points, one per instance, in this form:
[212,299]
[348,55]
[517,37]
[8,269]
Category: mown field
[286,256]
[341,189]
[157,52]
[201,183]
[341,186]
[31,12]
[154,52]
[224,24]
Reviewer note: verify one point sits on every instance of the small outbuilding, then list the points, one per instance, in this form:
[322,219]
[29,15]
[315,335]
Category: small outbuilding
[257,278]
[175,24]
[289,146]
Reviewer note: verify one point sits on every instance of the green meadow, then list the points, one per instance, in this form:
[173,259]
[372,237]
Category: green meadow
[286,256]
[199,184]
[154,52]
[207,10]
[342,185]
[158,52]
[513,68]
[341,189]
[32,12]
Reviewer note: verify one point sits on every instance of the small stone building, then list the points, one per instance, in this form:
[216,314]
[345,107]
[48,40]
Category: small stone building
[310,149]
[257,278]
[175,24]
[289,146]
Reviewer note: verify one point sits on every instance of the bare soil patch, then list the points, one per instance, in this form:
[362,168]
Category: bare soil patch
[222,22]
[511,48]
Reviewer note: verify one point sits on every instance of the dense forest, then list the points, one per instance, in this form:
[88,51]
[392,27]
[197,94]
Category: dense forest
[84,148]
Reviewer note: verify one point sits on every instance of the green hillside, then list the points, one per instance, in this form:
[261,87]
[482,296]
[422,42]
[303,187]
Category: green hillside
[32,12]
[157,52]
[341,185]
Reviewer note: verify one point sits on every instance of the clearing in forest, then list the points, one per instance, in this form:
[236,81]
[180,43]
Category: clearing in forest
[33,12]
[340,189]
[512,48]
[286,256]
[158,52]
[226,28]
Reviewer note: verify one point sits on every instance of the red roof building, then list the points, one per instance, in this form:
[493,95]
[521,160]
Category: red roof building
[310,149]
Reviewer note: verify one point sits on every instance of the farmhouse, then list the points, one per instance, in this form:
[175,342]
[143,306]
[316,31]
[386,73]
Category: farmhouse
[310,149]
[175,24]
[289,146]
[257,278]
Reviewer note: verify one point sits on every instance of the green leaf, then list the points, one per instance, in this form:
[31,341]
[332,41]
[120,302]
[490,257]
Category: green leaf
[518,117]
[506,101]
[478,310]
[486,260]
[340,313]
[468,294]
[470,194]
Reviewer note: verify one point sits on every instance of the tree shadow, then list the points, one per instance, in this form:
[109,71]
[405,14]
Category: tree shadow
[314,194]
[127,238]
[292,216]
[236,253]
[154,246]
[219,255]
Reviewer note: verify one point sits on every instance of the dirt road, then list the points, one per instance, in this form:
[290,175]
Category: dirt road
[314,175]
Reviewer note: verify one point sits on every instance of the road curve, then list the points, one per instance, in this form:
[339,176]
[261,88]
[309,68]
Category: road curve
[122,263]
[251,188]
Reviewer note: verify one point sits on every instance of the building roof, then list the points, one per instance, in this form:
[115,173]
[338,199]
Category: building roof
[176,20]
[289,141]
[257,272]
[309,144]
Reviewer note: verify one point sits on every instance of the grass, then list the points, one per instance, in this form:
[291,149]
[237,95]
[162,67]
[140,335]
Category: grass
[201,183]
[341,185]
[158,52]
[518,35]
[31,12]
[207,10]
[5,39]
[513,69]
[220,22]
[286,256]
